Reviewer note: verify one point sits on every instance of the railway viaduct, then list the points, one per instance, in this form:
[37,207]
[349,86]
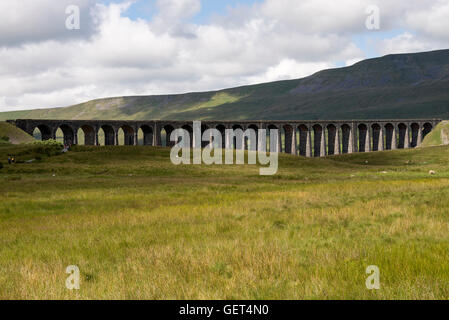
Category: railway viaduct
[305,138]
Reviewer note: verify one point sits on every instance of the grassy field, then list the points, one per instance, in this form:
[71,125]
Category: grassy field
[140,228]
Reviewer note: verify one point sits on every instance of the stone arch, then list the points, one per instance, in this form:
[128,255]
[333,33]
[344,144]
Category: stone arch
[363,137]
[274,146]
[222,130]
[189,129]
[403,136]
[109,135]
[237,144]
[88,134]
[377,137]
[318,141]
[147,135]
[346,133]
[427,128]
[304,140]
[333,141]
[253,146]
[166,131]
[44,132]
[204,128]
[68,134]
[415,134]
[390,137]
[127,133]
[289,139]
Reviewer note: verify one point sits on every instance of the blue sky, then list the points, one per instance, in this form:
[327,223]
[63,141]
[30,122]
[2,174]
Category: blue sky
[145,9]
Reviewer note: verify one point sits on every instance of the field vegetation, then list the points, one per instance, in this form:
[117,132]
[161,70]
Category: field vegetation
[139,227]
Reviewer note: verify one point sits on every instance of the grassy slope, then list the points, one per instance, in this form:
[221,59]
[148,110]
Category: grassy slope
[439,136]
[14,134]
[394,86]
[138,227]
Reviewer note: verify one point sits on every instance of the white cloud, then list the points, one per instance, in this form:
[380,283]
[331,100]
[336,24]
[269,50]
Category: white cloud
[289,69]
[273,40]
[23,21]
[176,10]
[403,43]
[432,21]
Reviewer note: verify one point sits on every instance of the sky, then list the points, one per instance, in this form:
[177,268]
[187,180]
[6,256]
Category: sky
[145,47]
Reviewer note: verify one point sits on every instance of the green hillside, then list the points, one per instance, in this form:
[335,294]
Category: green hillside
[12,134]
[393,86]
[439,136]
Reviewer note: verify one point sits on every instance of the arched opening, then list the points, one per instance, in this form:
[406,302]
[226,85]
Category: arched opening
[303,132]
[222,130]
[333,142]
[204,144]
[318,146]
[389,136]
[106,135]
[86,136]
[189,129]
[42,132]
[165,136]
[146,132]
[65,135]
[346,138]
[427,128]
[403,132]
[377,137]
[273,146]
[289,139]
[415,135]
[252,145]
[237,144]
[81,137]
[363,138]
[126,136]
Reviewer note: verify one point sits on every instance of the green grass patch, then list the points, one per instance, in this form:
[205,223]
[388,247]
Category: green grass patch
[438,136]
[12,134]
[139,227]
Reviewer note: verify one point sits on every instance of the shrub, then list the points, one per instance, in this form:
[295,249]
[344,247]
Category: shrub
[4,140]
[49,142]
[48,147]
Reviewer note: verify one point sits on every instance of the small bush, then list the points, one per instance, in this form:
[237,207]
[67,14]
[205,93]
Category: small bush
[49,142]
[48,147]
[4,140]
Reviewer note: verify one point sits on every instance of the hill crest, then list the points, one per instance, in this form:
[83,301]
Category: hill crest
[394,86]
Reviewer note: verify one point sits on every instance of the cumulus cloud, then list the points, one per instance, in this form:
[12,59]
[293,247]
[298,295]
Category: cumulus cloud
[24,21]
[114,55]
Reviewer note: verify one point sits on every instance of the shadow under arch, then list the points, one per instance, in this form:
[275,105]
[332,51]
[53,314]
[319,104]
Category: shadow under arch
[42,132]
[147,135]
[109,135]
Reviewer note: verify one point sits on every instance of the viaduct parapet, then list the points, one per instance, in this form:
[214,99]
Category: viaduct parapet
[305,138]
